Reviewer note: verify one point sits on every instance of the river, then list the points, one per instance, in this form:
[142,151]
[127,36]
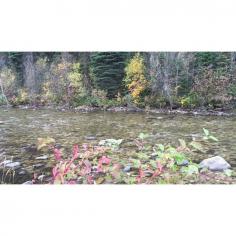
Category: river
[19,130]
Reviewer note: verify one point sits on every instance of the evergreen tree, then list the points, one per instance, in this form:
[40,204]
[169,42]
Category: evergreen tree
[108,69]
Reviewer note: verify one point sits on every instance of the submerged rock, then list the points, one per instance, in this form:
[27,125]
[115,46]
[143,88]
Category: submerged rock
[90,138]
[42,157]
[28,182]
[10,164]
[216,163]
[183,163]
[4,163]
[127,168]
[13,164]
[38,165]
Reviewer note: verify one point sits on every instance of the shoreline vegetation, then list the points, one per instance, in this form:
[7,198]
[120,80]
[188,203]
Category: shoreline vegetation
[104,162]
[136,80]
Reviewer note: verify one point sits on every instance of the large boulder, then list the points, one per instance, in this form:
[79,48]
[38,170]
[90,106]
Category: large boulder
[216,163]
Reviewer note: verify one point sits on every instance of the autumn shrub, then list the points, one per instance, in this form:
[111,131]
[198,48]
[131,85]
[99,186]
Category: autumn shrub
[156,101]
[211,87]
[135,79]
[9,84]
[192,100]
[63,84]
[22,98]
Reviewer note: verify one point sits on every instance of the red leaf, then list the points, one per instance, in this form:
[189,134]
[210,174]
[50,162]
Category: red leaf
[75,151]
[54,172]
[159,166]
[141,175]
[104,160]
[90,179]
[57,154]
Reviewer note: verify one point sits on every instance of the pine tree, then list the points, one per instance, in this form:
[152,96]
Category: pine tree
[108,69]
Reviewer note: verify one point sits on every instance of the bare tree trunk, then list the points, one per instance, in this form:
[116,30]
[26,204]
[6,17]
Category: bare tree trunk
[160,71]
[67,59]
[2,62]
[29,72]
[85,59]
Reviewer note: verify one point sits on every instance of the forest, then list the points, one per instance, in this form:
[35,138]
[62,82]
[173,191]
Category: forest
[171,80]
[117,117]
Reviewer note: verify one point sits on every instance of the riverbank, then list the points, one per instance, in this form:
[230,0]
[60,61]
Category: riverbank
[200,111]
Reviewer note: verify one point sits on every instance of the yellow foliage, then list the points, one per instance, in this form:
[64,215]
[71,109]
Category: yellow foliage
[44,142]
[135,77]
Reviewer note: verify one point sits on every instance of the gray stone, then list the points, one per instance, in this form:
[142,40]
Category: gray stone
[4,163]
[127,169]
[38,165]
[42,157]
[41,177]
[216,163]
[22,172]
[183,163]
[28,182]
[90,138]
[12,164]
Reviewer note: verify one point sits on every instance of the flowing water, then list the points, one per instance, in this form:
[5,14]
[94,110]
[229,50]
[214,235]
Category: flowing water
[19,130]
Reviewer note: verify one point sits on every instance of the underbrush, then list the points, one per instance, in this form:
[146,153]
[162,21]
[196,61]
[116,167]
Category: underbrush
[149,163]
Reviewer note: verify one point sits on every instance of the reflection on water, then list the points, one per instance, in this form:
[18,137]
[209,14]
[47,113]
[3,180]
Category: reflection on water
[21,128]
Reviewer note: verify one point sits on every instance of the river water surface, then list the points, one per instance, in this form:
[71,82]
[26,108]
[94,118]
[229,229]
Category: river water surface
[19,130]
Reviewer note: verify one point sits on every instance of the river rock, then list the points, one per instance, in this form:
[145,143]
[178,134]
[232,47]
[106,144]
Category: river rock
[1,122]
[41,177]
[90,138]
[216,163]
[28,182]
[127,168]
[38,165]
[4,163]
[42,157]
[183,163]
[13,164]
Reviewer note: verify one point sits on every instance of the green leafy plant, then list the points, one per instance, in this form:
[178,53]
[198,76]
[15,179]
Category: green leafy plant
[209,136]
[113,143]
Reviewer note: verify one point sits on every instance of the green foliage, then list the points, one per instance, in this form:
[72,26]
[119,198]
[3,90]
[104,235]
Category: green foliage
[113,143]
[190,169]
[143,136]
[219,60]
[208,136]
[108,70]
[104,79]
[190,101]
[232,90]
[22,98]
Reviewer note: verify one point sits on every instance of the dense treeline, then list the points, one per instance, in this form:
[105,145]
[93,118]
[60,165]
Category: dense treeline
[143,79]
